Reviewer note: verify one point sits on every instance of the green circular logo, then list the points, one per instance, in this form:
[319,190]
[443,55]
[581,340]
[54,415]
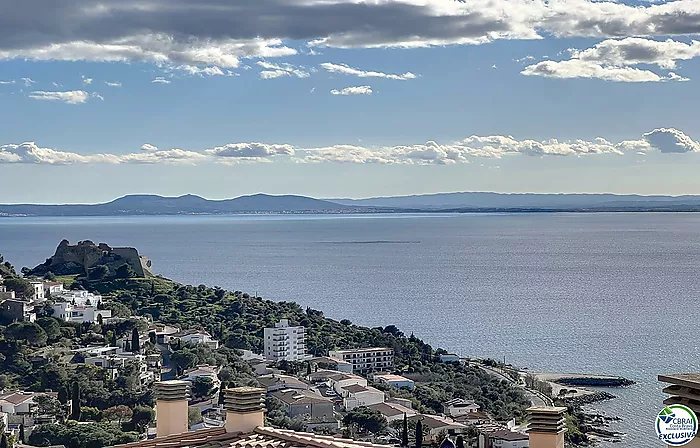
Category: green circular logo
[676,425]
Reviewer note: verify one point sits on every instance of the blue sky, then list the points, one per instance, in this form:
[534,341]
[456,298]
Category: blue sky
[345,98]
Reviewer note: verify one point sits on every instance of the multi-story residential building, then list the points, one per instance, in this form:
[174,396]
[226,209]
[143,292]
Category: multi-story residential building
[365,360]
[285,342]
[52,288]
[38,290]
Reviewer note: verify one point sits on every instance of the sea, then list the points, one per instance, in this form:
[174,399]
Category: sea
[600,293]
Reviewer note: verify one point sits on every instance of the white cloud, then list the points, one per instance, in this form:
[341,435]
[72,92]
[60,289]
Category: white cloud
[113,84]
[279,70]
[160,80]
[615,60]
[69,97]
[670,140]
[662,140]
[202,71]
[97,95]
[87,81]
[12,81]
[354,90]
[347,70]
[28,81]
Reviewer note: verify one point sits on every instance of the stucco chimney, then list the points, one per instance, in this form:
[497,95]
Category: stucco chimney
[546,426]
[684,388]
[245,409]
[171,407]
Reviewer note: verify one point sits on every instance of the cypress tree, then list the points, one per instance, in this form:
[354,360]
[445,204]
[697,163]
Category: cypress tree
[113,340]
[3,441]
[404,433]
[63,395]
[75,402]
[222,396]
[135,341]
[419,434]
[21,433]
[460,442]
[308,367]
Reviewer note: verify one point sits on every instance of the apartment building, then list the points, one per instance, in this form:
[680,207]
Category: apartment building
[285,342]
[365,360]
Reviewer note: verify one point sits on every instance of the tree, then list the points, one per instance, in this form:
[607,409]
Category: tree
[3,440]
[48,405]
[90,414]
[404,432]
[367,420]
[419,434]
[113,340]
[20,286]
[135,347]
[142,417]
[125,271]
[194,415]
[51,327]
[119,413]
[21,433]
[26,331]
[50,276]
[202,386]
[100,321]
[63,395]
[98,272]
[460,442]
[75,401]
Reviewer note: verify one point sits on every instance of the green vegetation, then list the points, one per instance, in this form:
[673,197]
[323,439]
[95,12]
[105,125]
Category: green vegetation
[233,317]
[366,420]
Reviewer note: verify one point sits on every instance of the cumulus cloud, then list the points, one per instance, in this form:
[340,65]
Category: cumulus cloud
[615,60]
[273,71]
[68,97]
[662,140]
[160,80]
[219,33]
[347,70]
[354,90]
[669,140]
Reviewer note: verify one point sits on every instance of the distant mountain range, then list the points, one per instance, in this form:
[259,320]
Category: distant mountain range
[429,203]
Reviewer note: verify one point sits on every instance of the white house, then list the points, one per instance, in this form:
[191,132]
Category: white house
[449,357]
[340,380]
[396,381]
[326,362]
[53,288]
[78,297]
[356,395]
[434,425]
[285,342]
[68,312]
[275,382]
[38,290]
[195,337]
[163,332]
[203,371]
[392,411]
[458,407]
[20,407]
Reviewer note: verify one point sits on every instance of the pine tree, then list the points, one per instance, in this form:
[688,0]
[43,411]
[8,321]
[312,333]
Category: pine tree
[404,433]
[135,341]
[419,434]
[75,402]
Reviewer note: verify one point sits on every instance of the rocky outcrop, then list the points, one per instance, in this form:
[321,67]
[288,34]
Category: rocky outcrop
[86,255]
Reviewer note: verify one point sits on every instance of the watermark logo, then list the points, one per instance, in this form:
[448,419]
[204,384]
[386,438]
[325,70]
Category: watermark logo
[676,425]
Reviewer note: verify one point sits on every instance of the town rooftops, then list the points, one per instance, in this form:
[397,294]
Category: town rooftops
[391,377]
[282,380]
[261,437]
[356,388]
[504,434]
[335,376]
[182,333]
[293,396]
[435,421]
[392,409]
[478,415]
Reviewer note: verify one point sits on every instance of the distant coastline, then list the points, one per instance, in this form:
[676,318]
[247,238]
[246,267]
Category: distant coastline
[445,203]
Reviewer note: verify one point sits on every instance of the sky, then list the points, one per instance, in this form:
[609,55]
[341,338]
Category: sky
[346,98]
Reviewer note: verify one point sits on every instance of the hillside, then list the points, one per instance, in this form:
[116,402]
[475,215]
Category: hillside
[182,205]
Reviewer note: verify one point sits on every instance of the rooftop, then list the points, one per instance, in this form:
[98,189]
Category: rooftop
[363,350]
[261,437]
[392,377]
[293,396]
[392,409]
[504,434]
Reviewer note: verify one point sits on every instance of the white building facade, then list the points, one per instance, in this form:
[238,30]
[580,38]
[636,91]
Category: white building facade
[365,360]
[284,342]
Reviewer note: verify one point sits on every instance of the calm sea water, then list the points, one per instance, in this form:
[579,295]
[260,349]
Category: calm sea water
[599,293]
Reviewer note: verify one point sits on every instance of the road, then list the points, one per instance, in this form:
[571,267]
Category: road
[536,398]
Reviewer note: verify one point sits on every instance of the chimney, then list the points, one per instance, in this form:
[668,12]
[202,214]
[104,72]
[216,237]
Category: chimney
[546,426]
[245,409]
[171,407]
[684,389]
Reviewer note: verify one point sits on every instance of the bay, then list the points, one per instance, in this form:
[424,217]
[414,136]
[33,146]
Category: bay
[595,293]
